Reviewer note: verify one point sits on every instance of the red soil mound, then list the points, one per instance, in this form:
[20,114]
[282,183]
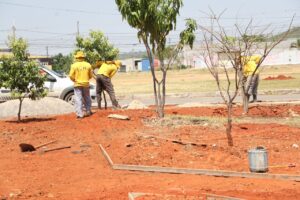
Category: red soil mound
[279,77]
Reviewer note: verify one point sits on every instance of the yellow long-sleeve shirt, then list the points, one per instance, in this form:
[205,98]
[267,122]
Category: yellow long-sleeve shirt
[108,69]
[81,73]
[250,64]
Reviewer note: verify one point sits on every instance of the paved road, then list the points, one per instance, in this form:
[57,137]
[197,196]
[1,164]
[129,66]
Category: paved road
[203,99]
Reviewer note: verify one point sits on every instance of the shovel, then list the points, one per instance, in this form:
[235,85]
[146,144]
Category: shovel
[28,147]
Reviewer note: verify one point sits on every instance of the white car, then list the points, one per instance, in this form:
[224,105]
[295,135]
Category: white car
[58,85]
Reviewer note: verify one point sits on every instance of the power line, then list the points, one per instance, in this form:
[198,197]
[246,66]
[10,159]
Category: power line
[249,18]
[44,32]
[57,9]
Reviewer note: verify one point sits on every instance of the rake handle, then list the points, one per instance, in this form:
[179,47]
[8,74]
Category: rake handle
[45,144]
[58,148]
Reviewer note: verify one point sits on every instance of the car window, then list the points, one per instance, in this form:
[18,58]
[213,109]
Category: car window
[52,72]
[58,74]
[48,76]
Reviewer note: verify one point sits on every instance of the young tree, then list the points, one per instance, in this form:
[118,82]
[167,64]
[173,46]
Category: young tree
[21,75]
[96,47]
[154,20]
[246,42]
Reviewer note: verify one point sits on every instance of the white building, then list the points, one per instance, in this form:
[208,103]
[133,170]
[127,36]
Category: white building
[282,54]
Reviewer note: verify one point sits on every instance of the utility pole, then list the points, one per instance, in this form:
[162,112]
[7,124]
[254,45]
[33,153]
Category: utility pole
[77,28]
[47,53]
[14,32]
[133,68]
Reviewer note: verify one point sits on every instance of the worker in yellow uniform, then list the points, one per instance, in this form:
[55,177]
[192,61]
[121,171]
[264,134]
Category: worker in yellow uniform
[80,74]
[106,71]
[252,75]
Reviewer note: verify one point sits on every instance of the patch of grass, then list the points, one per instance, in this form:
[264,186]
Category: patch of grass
[290,121]
[186,120]
[295,122]
[218,122]
[200,80]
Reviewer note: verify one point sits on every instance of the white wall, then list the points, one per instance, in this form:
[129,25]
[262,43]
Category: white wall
[129,63]
[283,57]
[278,56]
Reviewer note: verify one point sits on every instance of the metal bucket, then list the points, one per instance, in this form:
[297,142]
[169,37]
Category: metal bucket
[258,160]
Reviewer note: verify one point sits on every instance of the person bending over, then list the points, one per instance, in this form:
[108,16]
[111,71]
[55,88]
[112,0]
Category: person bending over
[106,71]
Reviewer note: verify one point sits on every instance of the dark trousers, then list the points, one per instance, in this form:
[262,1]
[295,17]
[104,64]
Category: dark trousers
[104,83]
[252,83]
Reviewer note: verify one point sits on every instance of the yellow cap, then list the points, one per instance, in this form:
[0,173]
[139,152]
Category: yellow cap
[79,54]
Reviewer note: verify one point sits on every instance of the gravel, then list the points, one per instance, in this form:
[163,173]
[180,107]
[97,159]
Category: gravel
[45,106]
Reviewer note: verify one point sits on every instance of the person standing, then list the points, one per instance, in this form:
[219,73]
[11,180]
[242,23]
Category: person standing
[251,73]
[80,74]
[106,71]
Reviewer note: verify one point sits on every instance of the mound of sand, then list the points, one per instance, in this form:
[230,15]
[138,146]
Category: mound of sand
[135,104]
[45,106]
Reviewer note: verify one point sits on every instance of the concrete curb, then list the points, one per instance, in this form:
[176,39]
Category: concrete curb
[205,172]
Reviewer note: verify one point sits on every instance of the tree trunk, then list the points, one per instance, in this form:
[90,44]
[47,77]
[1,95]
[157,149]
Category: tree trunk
[245,103]
[20,108]
[229,124]
[164,90]
[246,87]
[160,110]
[152,71]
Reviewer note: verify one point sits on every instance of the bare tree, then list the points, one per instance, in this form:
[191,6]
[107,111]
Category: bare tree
[260,42]
[225,55]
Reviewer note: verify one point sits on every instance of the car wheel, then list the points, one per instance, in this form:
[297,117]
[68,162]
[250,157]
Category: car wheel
[70,98]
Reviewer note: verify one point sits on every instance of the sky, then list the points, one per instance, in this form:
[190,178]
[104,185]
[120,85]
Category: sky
[50,27]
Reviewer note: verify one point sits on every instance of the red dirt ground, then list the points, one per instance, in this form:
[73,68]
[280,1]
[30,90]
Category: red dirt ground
[279,77]
[83,173]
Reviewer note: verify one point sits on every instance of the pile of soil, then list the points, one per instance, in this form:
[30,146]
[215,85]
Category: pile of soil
[82,172]
[278,77]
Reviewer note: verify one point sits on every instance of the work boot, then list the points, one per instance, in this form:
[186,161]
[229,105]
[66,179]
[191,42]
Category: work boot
[254,98]
[89,113]
[79,117]
[116,107]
